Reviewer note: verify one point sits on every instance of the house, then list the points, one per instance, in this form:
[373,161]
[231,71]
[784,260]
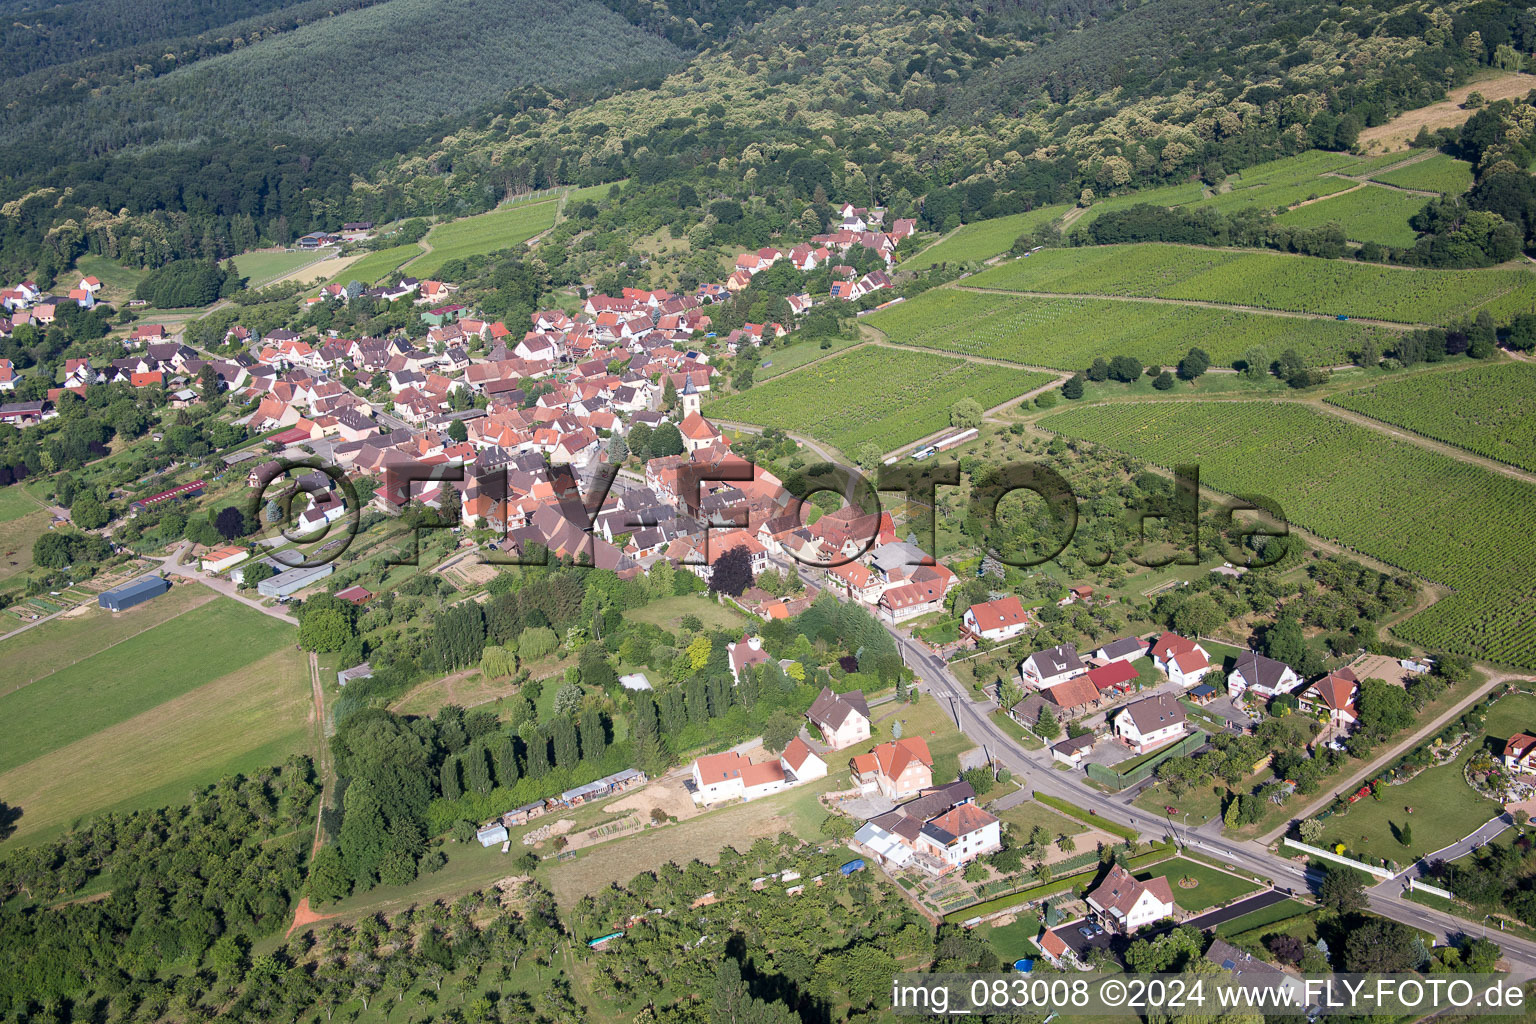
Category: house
[1073,697]
[1114,677]
[729,776]
[220,559]
[1249,972]
[1055,949]
[996,621]
[898,769]
[1149,723]
[1333,695]
[1183,661]
[843,718]
[1263,677]
[743,653]
[960,835]
[358,596]
[802,762]
[1127,648]
[1122,904]
[1520,752]
[1049,667]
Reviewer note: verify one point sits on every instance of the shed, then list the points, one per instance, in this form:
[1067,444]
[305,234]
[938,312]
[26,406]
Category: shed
[294,580]
[346,675]
[134,593]
[491,835]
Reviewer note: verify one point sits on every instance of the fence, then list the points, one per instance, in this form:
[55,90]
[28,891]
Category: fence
[1434,890]
[1318,851]
[1107,776]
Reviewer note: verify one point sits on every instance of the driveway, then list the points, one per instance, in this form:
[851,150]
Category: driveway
[1224,708]
[1221,915]
[1081,944]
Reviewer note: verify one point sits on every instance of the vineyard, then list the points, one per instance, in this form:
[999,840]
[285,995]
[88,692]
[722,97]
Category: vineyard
[1368,214]
[1282,183]
[1466,527]
[984,239]
[1267,280]
[1490,410]
[1070,333]
[874,394]
[1440,173]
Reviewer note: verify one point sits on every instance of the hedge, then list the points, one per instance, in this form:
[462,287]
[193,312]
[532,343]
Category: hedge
[1086,817]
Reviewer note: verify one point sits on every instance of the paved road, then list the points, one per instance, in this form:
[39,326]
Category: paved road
[1490,831]
[1221,915]
[1035,772]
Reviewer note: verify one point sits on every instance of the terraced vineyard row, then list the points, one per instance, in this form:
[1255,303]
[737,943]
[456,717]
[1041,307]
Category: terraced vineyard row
[874,394]
[1070,333]
[984,239]
[1466,527]
[1490,410]
[1368,214]
[1265,280]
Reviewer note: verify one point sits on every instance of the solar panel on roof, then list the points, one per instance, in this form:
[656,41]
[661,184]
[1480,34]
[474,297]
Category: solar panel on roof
[1228,965]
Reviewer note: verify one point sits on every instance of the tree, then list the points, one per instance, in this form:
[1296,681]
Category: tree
[1125,369]
[1311,830]
[965,414]
[230,522]
[1163,381]
[1405,834]
[1099,371]
[732,572]
[458,431]
[779,731]
[1384,709]
[618,451]
[324,630]
[1072,387]
[568,699]
[1255,363]
[1047,725]
[1342,891]
[328,880]
[88,513]
[981,780]
[666,440]
[1194,364]
[1379,946]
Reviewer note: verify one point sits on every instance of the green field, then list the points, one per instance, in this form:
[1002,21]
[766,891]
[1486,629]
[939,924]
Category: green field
[376,266]
[1027,815]
[134,676]
[1490,410]
[883,395]
[118,280]
[592,192]
[1279,184]
[264,267]
[1466,527]
[1213,889]
[797,355]
[1445,810]
[1515,712]
[1368,214]
[1440,173]
[1265,280]
[984,239]
[502,228]
[15,503]
[1070,333]
[151,716]
[1168,195]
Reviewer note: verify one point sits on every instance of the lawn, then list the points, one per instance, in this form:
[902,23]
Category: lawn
[797,355]
[1368,214]
[1214,888]
[263,267]
[1272,914]
[62,642]
[1445,810]
[15,503]
[252,716]
[378,265]
[669,611]
[1014,941]
[1030,813]
[140,673]
[16,539]
[1511,714]
[502,228]
[880,396]
[118,281]
[984,239]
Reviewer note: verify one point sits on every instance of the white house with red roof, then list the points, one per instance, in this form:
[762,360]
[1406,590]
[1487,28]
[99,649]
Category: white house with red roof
[805,764]
[744,653]
[1334,695]
[729,776]
[843,718]
[1149,723]
[960,835]
[1184,661]
[1520,752]
[999,620]
[898,769]
[697,432]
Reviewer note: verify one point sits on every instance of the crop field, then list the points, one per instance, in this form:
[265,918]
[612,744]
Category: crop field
[1368,214]
[1282,183]
[1167,195]
[1440,173]
[502,228]
[378,265]
[1070,333]
[983,239]
[1265,280]
[874,394]
[797,355]
[153,711]
[1471,529]
[1490,410]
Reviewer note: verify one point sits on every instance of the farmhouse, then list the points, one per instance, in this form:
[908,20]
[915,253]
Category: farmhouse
[1520,752]
[1183,661]
[729,776]
[1334,696]
[1122,904]
[997,620]
[1127,649]
[1150,722]
[843,718]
